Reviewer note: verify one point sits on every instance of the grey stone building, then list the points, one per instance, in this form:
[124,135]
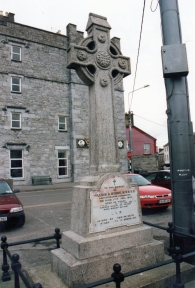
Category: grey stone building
[44,106]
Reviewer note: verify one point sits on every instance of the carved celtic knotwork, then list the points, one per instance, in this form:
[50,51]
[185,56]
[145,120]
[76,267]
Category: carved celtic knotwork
[122,63]
[102,38]
[118,86]
[81,55]
[99,63]
[103,60]
[103,82]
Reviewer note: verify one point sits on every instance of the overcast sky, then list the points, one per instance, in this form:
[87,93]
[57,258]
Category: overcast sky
[124,16]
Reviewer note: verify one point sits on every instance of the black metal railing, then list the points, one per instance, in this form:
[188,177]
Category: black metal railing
[175,252]
[15,264]
[117,276]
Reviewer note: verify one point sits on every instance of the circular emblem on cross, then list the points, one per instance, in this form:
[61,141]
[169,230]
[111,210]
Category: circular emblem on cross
[81,55]
[103,82]
[102,38]
[122,63]
[103,60]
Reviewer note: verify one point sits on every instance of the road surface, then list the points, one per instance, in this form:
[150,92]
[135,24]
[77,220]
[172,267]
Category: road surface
[47,210]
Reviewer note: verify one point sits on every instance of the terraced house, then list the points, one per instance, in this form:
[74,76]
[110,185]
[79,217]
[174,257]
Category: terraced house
[44,106]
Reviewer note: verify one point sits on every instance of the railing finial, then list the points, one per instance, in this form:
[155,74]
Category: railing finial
[117,275]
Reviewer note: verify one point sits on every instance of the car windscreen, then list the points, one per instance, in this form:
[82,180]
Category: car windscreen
[5,188]
[141,181]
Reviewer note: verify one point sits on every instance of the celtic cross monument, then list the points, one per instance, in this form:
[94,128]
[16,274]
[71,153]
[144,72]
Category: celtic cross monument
[100,64]
[106,220]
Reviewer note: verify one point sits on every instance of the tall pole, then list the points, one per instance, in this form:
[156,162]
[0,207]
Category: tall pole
[130,126]
[180,129]
[131,141]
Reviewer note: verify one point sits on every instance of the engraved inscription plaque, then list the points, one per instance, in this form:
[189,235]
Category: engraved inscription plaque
[114,205]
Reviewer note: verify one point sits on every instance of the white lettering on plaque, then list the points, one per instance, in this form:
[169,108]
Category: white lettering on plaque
[115,204]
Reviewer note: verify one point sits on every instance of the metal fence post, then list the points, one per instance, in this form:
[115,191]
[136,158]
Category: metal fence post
[5,265]
[178,259]
[15,265]
[117,275]
[57,236]
[38,285]
[171,242]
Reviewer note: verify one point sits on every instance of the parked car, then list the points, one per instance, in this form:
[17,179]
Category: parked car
[141,171]
[166,167]
[11,209]
[151,196]
[161,178]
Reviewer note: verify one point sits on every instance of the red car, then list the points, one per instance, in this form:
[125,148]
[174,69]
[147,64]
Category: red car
[160,178]
[151,196]
[11,209]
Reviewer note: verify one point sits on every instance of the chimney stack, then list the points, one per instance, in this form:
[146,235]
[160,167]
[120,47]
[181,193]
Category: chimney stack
[8,17]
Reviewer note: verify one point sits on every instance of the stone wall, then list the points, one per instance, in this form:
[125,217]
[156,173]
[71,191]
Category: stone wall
[26,33]
[44,95]
[79,109]
[149,162]
[48,90]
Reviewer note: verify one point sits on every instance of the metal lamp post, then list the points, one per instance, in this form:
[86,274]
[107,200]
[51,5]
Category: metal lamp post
[130,126]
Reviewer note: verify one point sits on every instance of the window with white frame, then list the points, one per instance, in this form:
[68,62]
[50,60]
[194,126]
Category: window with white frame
[16,53]
[16,164]
[16,84]
[62,163]
[16,120]
[62,123]
[147,148]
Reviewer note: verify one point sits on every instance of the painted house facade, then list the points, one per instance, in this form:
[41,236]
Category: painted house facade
[143,148]
[161,161]
[166,155]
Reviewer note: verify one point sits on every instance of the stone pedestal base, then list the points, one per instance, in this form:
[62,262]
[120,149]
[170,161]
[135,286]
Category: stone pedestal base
[84,260]
[87,256]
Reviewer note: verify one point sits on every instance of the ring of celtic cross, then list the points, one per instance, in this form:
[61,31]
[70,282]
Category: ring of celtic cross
[103,60]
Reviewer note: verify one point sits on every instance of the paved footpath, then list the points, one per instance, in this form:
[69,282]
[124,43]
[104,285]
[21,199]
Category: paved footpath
[29,188]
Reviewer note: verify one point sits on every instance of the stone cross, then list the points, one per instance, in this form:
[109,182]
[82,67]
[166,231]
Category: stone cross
[100,64]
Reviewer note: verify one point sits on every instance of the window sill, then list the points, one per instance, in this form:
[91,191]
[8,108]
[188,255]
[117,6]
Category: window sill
[64,176]
[62,130]
[16,128]
[15,92]
[18,179]
[13,60]
[147,154]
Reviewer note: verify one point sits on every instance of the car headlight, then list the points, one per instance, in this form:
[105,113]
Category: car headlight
[169,194]
[147,196]
[16,209]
